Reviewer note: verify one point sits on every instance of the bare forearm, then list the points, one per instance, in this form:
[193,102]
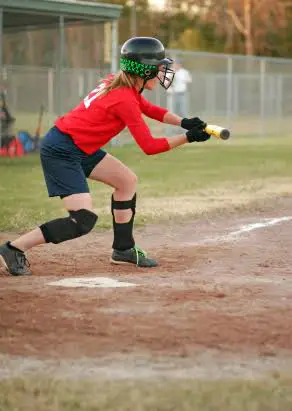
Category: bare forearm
[176,141]
[171,118]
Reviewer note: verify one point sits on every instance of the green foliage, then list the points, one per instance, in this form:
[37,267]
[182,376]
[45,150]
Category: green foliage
[190,39]
[200,40]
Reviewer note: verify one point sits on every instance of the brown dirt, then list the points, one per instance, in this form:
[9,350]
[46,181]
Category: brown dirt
[233,297]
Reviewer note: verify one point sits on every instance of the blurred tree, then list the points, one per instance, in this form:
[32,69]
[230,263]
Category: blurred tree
[260,27]
[190,39]
[249,23]
[183,27]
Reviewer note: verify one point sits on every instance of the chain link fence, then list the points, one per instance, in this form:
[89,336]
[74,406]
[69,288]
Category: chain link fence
[252,96]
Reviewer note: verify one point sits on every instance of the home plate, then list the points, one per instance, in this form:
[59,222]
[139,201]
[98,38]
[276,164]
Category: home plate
[91,282]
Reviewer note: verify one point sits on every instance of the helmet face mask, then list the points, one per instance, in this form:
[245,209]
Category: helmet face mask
[166,76]
[145,57]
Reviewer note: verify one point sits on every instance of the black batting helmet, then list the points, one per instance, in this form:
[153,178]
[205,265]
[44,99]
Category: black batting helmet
[145,57]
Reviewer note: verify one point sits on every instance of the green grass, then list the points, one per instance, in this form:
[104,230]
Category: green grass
[273,394]
[184,183]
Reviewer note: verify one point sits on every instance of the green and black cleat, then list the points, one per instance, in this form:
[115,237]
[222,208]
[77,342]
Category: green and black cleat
[14,261]
[133,256]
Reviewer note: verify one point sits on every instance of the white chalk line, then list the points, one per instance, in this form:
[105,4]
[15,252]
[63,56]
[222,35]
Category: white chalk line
[267,222]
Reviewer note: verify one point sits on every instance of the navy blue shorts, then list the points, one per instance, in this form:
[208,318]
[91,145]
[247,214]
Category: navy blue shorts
[65,166]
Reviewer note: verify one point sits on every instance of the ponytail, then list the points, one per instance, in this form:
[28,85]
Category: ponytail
[121,79]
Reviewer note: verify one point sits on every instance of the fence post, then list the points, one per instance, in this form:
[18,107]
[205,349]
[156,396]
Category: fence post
[91,80]
[81,84]
[262,96]
[229,90]
[51,91]
[60,65]
[114,63]
[236,95]
[280,101]
[211,93]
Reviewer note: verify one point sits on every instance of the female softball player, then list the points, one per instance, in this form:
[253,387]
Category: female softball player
[72,151]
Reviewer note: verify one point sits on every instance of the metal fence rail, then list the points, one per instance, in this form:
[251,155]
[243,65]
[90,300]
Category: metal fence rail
[252,96]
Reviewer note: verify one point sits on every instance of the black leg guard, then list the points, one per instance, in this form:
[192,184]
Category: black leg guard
[62,229]
[123,233]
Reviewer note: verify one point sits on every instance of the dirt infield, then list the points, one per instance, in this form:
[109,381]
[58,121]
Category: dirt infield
[219,303]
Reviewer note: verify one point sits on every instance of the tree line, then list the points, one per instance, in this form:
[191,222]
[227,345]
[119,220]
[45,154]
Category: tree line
[250,27]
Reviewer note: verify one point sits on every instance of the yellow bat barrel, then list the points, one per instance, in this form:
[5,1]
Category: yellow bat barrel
[217,131]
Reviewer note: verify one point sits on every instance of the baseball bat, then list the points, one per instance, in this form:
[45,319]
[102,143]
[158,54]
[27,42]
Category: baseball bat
[217,131]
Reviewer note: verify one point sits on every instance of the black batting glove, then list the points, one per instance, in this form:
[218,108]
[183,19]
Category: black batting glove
[198,135]
[189,123]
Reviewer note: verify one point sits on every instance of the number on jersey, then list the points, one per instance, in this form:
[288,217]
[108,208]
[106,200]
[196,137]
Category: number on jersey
[93,95]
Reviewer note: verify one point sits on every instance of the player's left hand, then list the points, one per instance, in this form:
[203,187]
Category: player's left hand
[198,135]
[189,123]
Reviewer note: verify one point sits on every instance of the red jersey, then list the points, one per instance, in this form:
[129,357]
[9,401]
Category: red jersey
[97,119]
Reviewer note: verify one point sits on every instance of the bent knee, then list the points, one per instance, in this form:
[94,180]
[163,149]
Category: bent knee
[134,180]
[85,220]
[78,223]
[128,183]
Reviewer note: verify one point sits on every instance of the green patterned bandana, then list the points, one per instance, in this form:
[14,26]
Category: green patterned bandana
[140,69]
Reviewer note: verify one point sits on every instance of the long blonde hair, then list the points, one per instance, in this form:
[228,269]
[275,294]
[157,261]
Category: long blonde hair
[121,79]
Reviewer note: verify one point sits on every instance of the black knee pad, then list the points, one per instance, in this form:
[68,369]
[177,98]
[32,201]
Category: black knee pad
[124,205]
[79,223]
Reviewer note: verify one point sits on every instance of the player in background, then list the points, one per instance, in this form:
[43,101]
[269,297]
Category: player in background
[72,151]
[178,93]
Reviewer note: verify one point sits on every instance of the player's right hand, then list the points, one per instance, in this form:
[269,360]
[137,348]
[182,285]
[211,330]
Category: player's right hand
[189,123]
[197,135]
